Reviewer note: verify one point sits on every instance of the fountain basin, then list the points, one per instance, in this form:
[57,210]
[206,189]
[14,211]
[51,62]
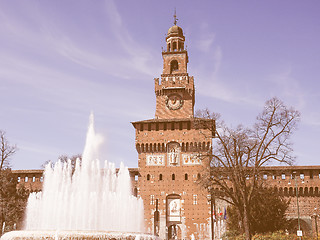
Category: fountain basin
[75,235]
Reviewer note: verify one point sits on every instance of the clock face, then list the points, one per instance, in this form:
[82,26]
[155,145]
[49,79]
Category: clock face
[174,101]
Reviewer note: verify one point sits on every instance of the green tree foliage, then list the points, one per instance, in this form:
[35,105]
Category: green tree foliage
[269,236]
[13,200]
[267,213]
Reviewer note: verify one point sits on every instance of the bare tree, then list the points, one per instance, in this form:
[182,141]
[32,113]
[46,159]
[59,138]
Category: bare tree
[239,155]
[6,151]
[64,159]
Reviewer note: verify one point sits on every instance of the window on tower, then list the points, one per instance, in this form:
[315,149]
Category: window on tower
[174,46]
[195,200]
[173,66]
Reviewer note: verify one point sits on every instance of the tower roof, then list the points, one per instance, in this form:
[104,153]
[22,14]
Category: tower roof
[175,31]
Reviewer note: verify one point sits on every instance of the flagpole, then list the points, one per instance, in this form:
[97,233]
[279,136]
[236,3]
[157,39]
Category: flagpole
[212,205]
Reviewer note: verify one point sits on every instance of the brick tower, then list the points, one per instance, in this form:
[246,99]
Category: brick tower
[169,149]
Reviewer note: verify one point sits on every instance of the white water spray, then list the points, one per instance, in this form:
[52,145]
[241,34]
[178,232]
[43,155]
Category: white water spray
[90,198]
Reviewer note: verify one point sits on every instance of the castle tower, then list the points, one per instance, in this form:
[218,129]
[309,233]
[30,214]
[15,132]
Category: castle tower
[170,152]
[175,92]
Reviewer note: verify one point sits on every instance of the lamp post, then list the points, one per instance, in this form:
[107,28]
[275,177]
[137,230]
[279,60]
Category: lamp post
[212,200]
[315,215]
[296,186]
[156,220]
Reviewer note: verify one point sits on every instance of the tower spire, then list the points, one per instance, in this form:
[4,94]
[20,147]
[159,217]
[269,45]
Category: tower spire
[175,17]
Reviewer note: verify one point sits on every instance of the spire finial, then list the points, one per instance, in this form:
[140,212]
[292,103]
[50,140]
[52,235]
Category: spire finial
[175,17]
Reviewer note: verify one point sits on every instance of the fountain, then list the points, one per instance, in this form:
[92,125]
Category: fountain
[84,203]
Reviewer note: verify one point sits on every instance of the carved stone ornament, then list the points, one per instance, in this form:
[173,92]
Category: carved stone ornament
[174,101]
[173,154]
[155,160]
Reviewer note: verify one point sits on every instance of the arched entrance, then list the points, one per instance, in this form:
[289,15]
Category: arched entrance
[174,232]
[305,226]
[173,212]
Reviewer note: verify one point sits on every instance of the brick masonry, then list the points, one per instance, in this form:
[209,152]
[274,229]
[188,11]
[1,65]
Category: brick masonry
[168,149]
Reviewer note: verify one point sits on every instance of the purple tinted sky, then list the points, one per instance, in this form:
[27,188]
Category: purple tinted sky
[60,60]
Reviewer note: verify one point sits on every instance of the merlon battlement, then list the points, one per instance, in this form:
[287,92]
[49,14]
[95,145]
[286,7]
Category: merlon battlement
[169,82]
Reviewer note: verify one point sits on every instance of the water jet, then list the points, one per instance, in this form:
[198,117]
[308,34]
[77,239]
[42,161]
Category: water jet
[88,202]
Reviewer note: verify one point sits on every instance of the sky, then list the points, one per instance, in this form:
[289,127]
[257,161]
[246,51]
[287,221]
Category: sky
[61,60]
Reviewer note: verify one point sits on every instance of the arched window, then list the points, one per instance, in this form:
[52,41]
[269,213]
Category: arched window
[291,193]
[174,46]
[173,176]
[160,177]
[186,176]
[148,177]
[174,66]
[311,191]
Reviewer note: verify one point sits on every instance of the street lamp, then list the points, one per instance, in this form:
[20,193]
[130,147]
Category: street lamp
[212,200]
[315,215]
[156,220]
[296,186]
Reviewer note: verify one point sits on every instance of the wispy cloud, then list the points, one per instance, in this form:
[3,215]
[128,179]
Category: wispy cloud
[284,84]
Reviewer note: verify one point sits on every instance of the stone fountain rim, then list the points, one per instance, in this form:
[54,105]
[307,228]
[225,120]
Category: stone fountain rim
[32,234]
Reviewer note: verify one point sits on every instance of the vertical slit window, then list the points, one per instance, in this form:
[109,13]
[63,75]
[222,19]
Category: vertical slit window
[195,200]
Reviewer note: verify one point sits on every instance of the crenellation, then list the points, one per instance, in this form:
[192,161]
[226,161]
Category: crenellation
[172,150]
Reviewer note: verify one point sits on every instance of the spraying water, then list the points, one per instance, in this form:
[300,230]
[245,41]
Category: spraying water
[86,198]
